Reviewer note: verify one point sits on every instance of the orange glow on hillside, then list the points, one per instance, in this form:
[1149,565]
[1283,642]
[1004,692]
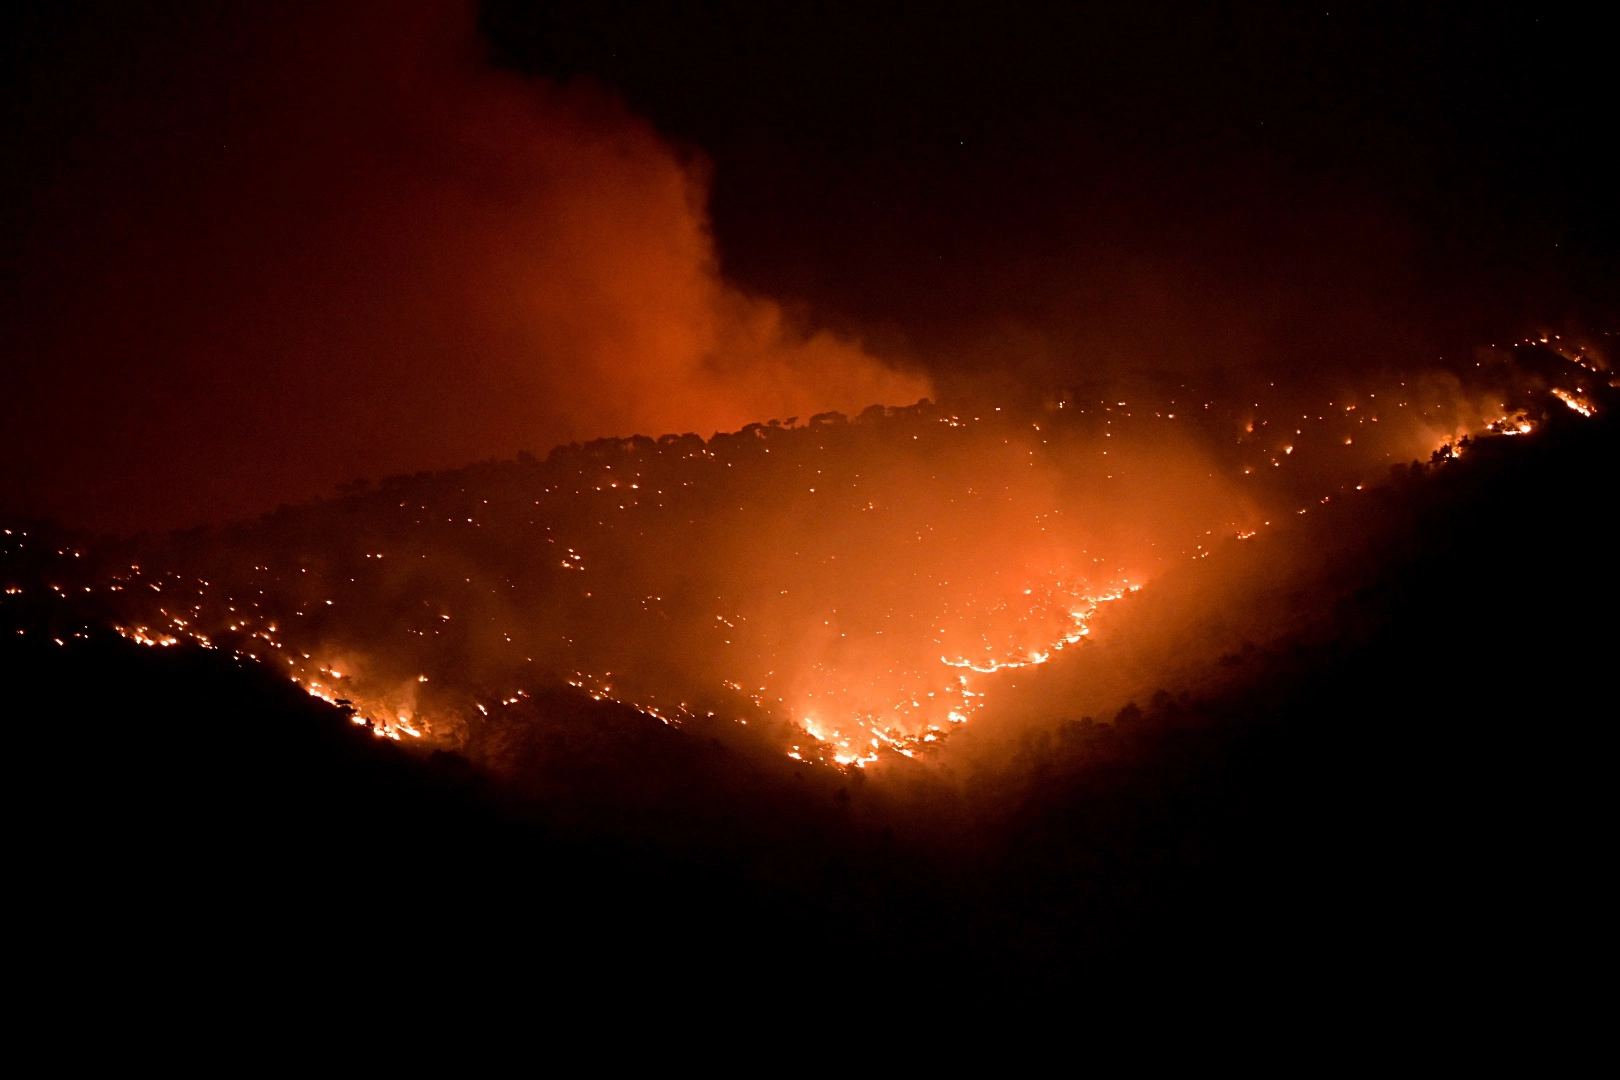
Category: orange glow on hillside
[873,584]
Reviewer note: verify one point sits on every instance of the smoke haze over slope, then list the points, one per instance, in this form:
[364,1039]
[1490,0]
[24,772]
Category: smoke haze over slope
[263,252]
[314,243]
[311,245]
[1419,769]
[850,591]
[1015,497]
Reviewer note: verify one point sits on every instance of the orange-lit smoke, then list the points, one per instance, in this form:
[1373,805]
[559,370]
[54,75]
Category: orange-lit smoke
[344,245]
[839,588]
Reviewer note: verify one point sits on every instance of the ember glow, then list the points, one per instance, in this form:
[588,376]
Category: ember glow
[1576,402]
[1001,495]
[862,587]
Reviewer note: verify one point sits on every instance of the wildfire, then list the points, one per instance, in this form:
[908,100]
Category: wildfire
[1517,423]
[141,636]
[1576,402]
[872,583]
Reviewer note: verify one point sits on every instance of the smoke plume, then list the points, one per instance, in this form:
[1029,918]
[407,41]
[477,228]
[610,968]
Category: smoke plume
[315,243]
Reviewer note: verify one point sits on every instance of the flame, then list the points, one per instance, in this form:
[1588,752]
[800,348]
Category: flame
[872,584]
[1576,402]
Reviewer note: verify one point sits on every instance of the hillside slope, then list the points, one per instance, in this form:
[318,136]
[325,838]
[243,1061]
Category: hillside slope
[1420,799]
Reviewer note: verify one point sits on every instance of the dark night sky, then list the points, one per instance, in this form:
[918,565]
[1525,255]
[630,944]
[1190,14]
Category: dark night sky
[982,193]
[1437,163]
[1021,131]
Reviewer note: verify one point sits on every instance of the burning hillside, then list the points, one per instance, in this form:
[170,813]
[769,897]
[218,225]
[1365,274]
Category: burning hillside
[982,496]
[1386,688]
[846,588]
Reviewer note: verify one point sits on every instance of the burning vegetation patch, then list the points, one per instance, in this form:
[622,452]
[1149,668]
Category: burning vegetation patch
[1337,699]
[841,591]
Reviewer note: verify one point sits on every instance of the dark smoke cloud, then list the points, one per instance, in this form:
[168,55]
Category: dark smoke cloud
[1012,194]
[274,249]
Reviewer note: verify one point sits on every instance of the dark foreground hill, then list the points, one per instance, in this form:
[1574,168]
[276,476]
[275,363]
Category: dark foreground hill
[1421,805]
